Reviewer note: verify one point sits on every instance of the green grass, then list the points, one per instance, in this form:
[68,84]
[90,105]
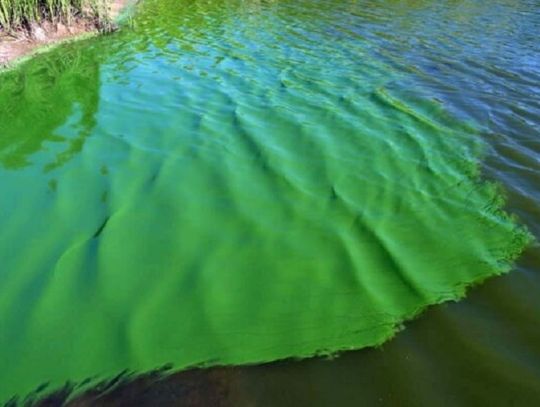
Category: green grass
[20,14]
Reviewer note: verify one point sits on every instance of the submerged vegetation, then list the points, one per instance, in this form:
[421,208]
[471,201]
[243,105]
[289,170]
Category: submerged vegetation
[25,14]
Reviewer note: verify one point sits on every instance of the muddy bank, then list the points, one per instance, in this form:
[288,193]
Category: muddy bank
[24,42]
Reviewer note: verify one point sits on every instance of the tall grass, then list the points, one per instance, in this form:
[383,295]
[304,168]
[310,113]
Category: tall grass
[15,14]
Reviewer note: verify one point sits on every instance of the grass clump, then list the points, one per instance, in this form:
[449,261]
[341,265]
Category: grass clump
[23,14]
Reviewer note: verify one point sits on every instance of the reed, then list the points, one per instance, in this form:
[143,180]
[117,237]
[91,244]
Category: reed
[20,14]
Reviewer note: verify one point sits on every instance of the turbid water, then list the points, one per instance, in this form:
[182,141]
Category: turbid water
[241,182]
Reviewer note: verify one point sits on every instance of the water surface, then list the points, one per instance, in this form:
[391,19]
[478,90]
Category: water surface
[240,182]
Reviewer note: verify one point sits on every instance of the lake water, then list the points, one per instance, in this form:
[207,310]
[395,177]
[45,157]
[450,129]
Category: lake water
[240,182]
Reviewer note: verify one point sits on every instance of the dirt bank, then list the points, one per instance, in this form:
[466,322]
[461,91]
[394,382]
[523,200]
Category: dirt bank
[14,46]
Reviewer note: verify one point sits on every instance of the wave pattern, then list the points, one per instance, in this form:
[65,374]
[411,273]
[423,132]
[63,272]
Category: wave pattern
[237,182]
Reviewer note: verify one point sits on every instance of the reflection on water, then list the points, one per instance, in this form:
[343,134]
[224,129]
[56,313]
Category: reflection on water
[290,143]
[49,107]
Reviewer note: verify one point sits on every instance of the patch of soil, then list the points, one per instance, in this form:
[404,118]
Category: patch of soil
[23,42]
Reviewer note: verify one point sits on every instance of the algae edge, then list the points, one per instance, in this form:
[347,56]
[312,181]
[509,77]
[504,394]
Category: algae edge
[522,239]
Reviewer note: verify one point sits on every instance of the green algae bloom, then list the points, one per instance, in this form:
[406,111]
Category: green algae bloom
[226,184]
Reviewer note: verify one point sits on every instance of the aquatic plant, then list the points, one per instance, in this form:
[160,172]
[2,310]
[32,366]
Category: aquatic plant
[17,14]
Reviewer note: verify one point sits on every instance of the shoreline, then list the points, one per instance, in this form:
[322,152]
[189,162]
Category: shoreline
[17,48]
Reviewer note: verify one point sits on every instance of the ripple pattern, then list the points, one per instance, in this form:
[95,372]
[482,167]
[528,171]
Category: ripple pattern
[234,183]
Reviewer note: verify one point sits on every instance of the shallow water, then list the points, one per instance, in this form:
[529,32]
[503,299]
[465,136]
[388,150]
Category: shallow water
[242,182]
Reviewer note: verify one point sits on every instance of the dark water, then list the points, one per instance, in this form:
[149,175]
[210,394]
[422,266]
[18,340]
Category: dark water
[292,138]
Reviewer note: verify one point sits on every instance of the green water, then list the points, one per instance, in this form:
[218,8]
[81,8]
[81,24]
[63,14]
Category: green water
[230,183]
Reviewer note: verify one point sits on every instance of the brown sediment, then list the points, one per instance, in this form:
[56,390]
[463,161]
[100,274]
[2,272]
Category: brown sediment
[15,45]
[194,388]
